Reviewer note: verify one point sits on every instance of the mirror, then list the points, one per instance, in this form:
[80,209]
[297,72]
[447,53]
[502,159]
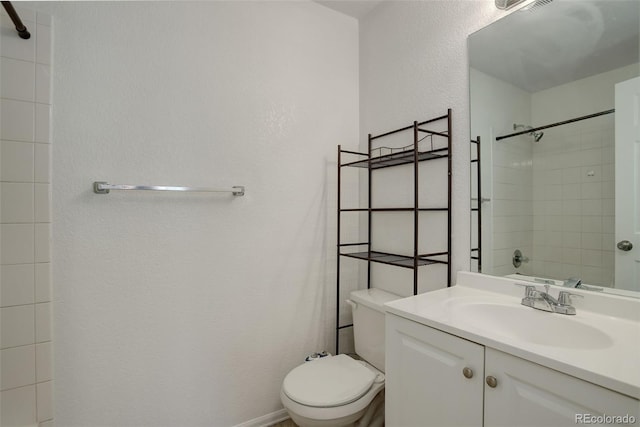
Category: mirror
[554,199]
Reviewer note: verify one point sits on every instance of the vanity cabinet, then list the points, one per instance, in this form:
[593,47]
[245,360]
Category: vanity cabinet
[437,379]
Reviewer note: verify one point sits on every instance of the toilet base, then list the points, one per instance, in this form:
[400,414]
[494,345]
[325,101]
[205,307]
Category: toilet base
[371,415]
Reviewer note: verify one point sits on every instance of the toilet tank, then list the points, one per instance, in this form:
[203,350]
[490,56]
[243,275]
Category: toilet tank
[368,324]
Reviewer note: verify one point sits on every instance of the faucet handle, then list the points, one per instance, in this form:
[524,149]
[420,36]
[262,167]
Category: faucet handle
[529,290]
[564,297]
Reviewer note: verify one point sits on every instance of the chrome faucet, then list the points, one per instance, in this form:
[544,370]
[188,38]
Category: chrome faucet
[542,300]
[574,282]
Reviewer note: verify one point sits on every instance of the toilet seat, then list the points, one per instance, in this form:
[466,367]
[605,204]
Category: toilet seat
[337,381]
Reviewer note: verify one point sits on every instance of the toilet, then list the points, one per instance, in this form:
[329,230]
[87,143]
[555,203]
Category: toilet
[339,391]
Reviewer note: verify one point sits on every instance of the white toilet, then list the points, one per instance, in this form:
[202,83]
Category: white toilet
[338,390]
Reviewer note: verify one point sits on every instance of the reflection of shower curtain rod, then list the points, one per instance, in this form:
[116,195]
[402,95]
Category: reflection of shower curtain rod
[577,119]
[20,28]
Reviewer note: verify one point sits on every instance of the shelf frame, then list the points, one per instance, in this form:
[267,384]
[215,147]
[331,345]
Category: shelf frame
[406,156]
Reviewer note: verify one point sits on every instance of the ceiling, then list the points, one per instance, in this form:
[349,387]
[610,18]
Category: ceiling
[355,8]
[558,42]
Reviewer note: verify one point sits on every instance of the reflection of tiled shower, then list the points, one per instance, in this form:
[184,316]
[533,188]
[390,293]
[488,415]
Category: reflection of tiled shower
[574,205]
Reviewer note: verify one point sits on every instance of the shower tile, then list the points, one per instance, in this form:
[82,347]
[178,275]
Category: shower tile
[591,157]
[591,258]
[44,19]
[608,243]
[16,79]
[28,16]
[591,190]
[43,322]
[43,84]
[593,275]
[18,406]
[572,240]
[608,154]
[570,191]
[571,175]
[591,224]
[591,139]
[608,172]
[17,285]
[16,243]
[42,163]
[45,400]
[592,241]
[16,204]
[42,202]
[16,161]
[43,282]
[591,207]
[13,46]
[43,242]
[42,127]
[608,207]
[608,224]
[17,367]
[570,256]
[43,45]
[17,326]
[17,120]
[44,362]
[608,189]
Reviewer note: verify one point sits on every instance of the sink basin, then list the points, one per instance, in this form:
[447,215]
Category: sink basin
[526,324]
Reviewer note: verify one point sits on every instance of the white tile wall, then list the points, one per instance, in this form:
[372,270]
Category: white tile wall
[26,375]
[576,240]
[512,206]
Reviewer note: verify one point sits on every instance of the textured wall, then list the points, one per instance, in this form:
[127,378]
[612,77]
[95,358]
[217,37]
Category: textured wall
[413,62]
[25,222]
[178,309]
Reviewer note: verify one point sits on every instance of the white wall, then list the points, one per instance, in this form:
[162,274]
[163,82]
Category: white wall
[25,222]
[413,61]
[179,309]
[507,172]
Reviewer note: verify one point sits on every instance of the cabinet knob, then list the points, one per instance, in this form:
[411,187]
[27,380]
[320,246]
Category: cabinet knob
[467,372]
[492,381]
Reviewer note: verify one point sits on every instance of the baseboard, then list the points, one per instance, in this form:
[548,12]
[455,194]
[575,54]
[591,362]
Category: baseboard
[266,420]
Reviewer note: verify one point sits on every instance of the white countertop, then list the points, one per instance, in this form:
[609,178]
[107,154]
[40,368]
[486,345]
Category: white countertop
[614,364]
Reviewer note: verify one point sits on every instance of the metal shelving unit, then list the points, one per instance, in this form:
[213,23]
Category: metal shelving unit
[476,252]
[385,157]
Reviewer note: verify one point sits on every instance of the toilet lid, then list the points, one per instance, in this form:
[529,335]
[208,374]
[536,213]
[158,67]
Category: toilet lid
[328,382]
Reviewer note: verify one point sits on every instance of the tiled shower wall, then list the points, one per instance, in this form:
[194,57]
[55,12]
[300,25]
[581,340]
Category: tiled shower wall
[26,378]
[574,202]
[574,180]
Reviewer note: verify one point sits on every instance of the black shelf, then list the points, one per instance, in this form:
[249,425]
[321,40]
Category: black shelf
[400,158]
[394,210]
[392,259]
[439,144]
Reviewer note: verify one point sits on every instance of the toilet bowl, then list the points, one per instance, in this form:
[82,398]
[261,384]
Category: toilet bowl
[337,391]
[333,391]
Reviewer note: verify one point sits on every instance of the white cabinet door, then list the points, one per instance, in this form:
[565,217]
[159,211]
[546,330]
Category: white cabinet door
[425,383]
[528,394]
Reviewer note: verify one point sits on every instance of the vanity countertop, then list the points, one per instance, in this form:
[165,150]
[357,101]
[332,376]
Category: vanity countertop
[600,344]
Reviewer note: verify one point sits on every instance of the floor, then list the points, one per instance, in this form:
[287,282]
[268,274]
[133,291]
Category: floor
[286,423]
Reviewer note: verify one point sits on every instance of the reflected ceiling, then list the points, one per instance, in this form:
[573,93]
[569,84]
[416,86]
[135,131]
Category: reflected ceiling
[598,36]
